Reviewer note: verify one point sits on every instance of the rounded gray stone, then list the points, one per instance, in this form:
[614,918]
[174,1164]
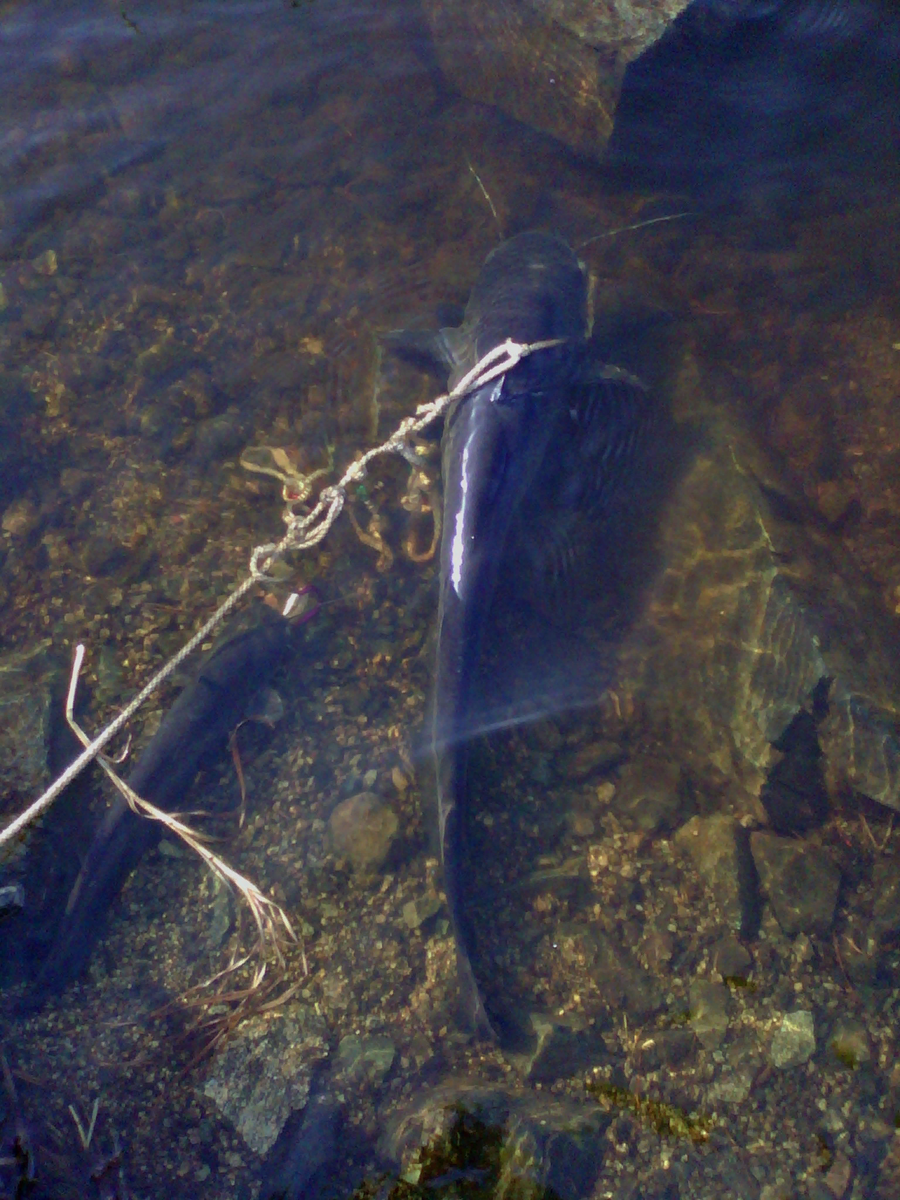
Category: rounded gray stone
[366,1058]
[363,829]
[794,1041]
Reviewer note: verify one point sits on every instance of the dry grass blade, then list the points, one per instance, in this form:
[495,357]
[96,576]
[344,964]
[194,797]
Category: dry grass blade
[239,771]
[487,197]
[86,1136]
[264,992]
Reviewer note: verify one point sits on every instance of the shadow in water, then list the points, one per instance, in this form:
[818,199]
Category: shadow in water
[770,101]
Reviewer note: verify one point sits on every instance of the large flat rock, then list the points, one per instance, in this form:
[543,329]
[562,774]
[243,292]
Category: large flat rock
[554,64]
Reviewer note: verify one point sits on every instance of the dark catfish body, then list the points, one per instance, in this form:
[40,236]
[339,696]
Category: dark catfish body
[531,288]
[196,726]
[525,459]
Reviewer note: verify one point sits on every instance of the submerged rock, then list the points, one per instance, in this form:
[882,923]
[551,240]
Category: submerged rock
[758,615]
[265,1071]
[732,960]
[733,1085]
[716,847]
[648,795]
[421,909]
[794,1041]
[555,64]
[368,1058]
[563,1048]
[619,979]
[516,1142]
[709,1012]
[849,1042]
[668,1048]
[537,1161]
[363,829]
[586,760]
[800,881]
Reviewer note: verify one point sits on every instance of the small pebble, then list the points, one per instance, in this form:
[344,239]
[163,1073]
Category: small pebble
[364,828]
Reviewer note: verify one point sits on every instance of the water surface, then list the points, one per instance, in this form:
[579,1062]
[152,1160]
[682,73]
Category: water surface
[209,213]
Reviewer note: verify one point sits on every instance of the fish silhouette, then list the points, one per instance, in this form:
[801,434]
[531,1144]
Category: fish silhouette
[539,470]
[192,731]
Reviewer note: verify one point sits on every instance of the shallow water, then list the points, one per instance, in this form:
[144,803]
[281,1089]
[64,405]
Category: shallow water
[209,213]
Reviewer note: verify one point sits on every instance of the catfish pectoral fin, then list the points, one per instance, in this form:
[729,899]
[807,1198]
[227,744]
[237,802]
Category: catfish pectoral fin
[425,350]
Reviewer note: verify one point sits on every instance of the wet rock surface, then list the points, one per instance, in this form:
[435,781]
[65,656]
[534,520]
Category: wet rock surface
[265,1073]
[718,847]
[621,981]
[502,1136]
[734,1083]
[794,1040]
[801,882]
[557,66]
[562,1048]
[732,959]
[367,1058]
[593,758]
[709,1012]
[364,829]
[416,912]
[849,1042]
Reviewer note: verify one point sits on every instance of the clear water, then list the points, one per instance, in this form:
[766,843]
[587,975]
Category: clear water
[209,214]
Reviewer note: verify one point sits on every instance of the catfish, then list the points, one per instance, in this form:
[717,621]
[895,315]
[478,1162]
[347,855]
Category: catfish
[544,471]
[193,731]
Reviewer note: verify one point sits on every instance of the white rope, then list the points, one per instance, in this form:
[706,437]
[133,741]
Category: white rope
[302,533]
